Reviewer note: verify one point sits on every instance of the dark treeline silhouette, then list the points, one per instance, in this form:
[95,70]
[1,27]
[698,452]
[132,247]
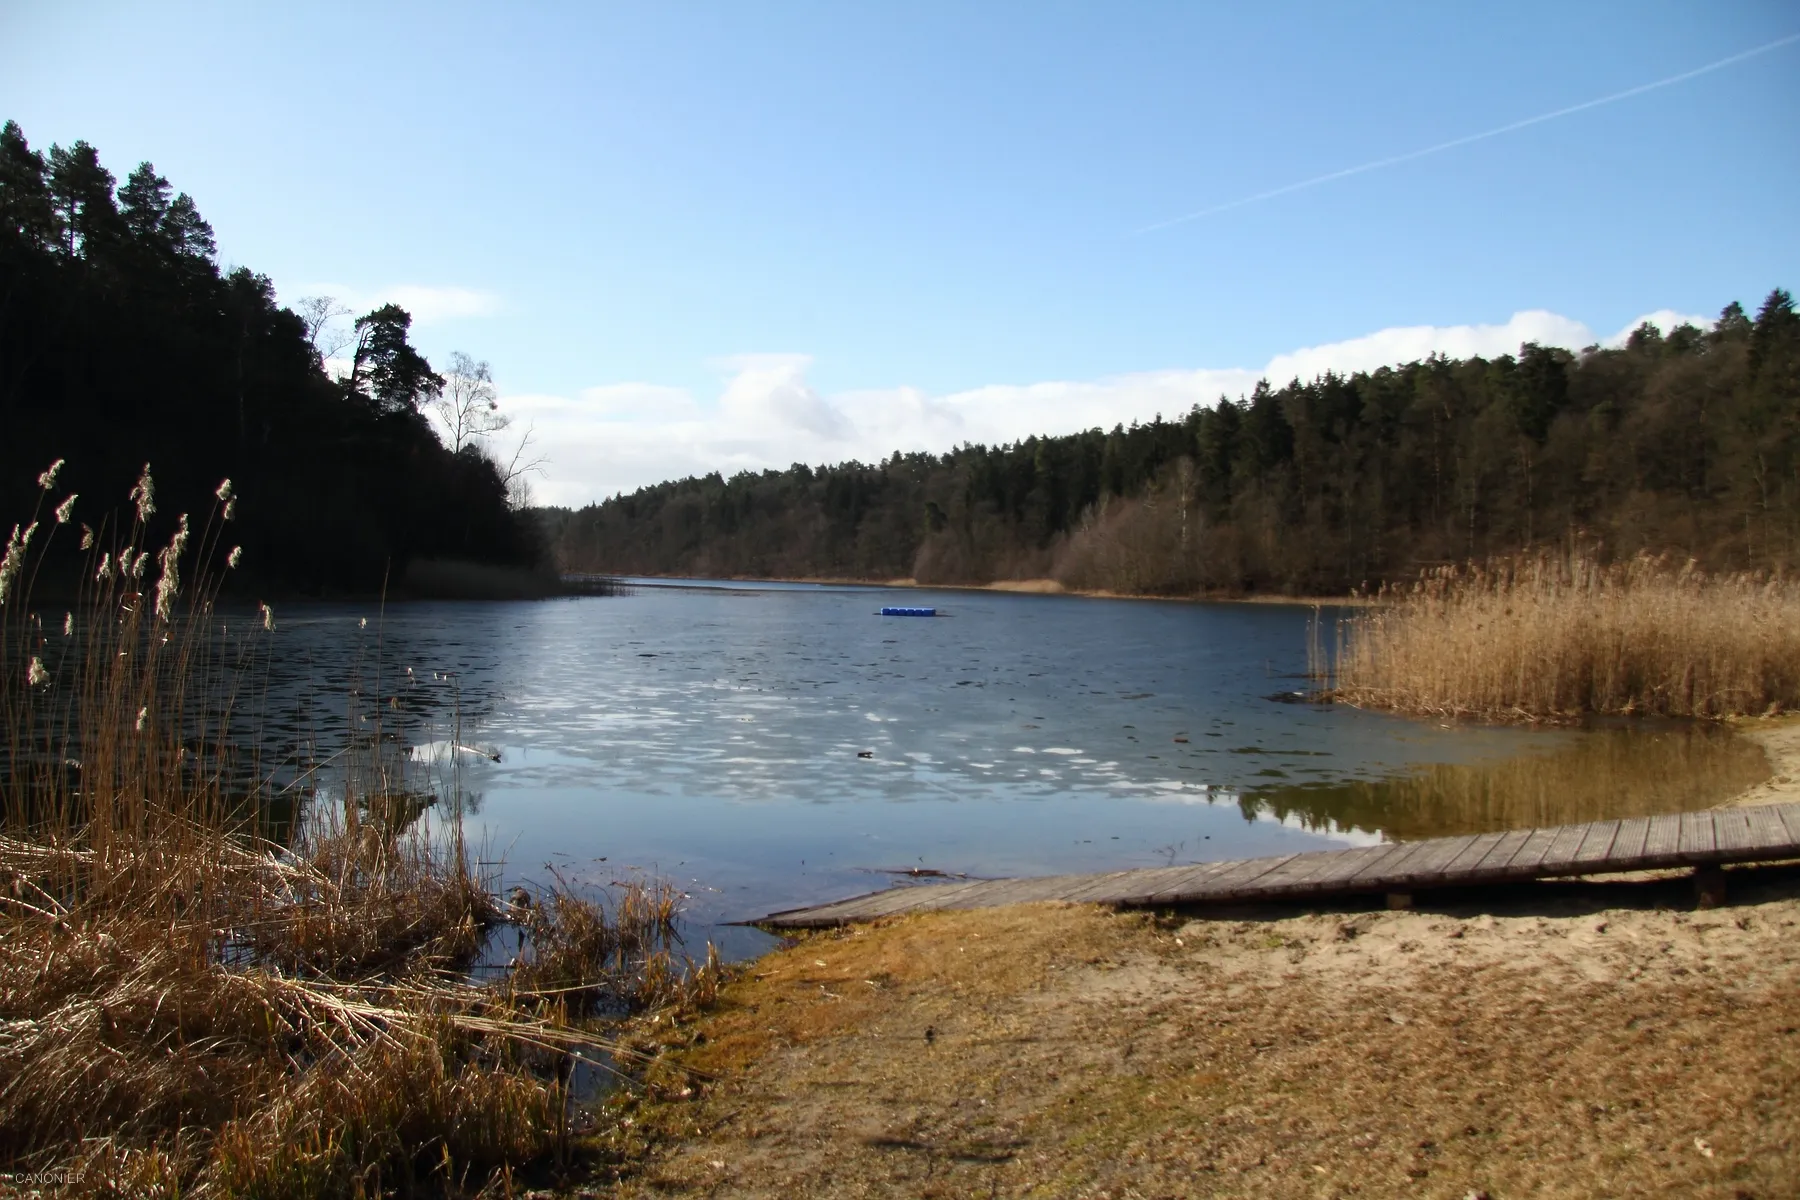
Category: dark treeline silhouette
[122,342]
[1687,443]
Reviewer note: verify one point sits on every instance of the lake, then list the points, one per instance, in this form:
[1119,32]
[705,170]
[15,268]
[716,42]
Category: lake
[768,746]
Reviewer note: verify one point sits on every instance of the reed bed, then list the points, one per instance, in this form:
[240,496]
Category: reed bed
[191,1005]
[1558,637]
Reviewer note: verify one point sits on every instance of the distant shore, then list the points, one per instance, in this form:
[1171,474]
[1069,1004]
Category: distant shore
[1034,587]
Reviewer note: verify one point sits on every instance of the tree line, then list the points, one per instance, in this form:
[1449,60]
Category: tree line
[123,342]
[1685,443]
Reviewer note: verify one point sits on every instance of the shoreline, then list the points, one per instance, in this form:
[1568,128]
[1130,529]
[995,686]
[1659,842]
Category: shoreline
[1033,587]
[1779,738]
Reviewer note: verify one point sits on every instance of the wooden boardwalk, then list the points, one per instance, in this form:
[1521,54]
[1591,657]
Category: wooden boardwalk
[1758,833]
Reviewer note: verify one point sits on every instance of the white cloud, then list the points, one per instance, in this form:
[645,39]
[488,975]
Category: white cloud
[636,399]
[622,436]
[770,391]
[1414,342]
[1664,319]
[429,305]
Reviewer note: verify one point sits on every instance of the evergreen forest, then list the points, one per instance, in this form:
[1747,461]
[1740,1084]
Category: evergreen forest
[122,342]
[1685,443]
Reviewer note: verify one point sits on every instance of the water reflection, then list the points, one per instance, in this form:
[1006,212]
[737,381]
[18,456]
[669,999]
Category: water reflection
[1596,774]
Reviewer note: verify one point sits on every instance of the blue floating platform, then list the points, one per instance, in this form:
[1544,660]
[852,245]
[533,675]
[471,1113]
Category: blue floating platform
[897,611]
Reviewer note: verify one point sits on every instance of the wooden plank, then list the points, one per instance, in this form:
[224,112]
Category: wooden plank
[1189,884]
[1202,885]
[1766,830]
[1355,862]
[1056,887]
[1696,835]
[1502,854]
[810,908]
[1001,891]
[1427,867]
[1229,884]
[1347,864]
[1596,846]
[890,901]
[1790,816]
[1148,883]
[1562,849]
[1023,891]
[829,911]
[1298,872]
[818,918]
[1731,831]
[1629,844]
[1536,849]
[1664,837]
[870,906]
[1390,867]
[1474,852]
[1771,831]
[942,895]
[975,894]
[1099,888]
[990,895]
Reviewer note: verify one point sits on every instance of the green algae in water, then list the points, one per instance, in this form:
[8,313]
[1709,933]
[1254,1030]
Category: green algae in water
[1599,774]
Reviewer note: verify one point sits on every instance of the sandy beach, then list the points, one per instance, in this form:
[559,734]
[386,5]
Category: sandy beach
[1779,738]
[1563,1040]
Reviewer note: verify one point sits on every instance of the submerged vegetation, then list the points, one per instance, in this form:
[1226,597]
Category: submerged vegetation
[1562,636]
[1686,442]
[199,999]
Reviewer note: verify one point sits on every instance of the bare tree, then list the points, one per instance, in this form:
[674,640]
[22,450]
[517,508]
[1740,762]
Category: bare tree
[517,471]
[468,414]
[321,315]
[468,409]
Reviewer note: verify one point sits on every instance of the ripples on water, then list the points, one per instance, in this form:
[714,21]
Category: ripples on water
[777,746]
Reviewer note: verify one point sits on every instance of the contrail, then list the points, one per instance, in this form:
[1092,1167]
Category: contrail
[1379,163]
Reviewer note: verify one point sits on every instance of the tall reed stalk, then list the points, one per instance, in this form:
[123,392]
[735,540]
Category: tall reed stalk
[189,1007]
[1565,635]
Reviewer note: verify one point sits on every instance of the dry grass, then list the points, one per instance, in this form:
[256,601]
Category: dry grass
[189,1007]
[1557,637]
[1597,1044]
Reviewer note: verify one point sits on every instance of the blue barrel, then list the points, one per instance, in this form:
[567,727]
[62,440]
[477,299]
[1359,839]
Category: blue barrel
[897,611]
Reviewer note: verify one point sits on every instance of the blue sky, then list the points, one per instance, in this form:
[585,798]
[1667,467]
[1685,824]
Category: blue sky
[696,237]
